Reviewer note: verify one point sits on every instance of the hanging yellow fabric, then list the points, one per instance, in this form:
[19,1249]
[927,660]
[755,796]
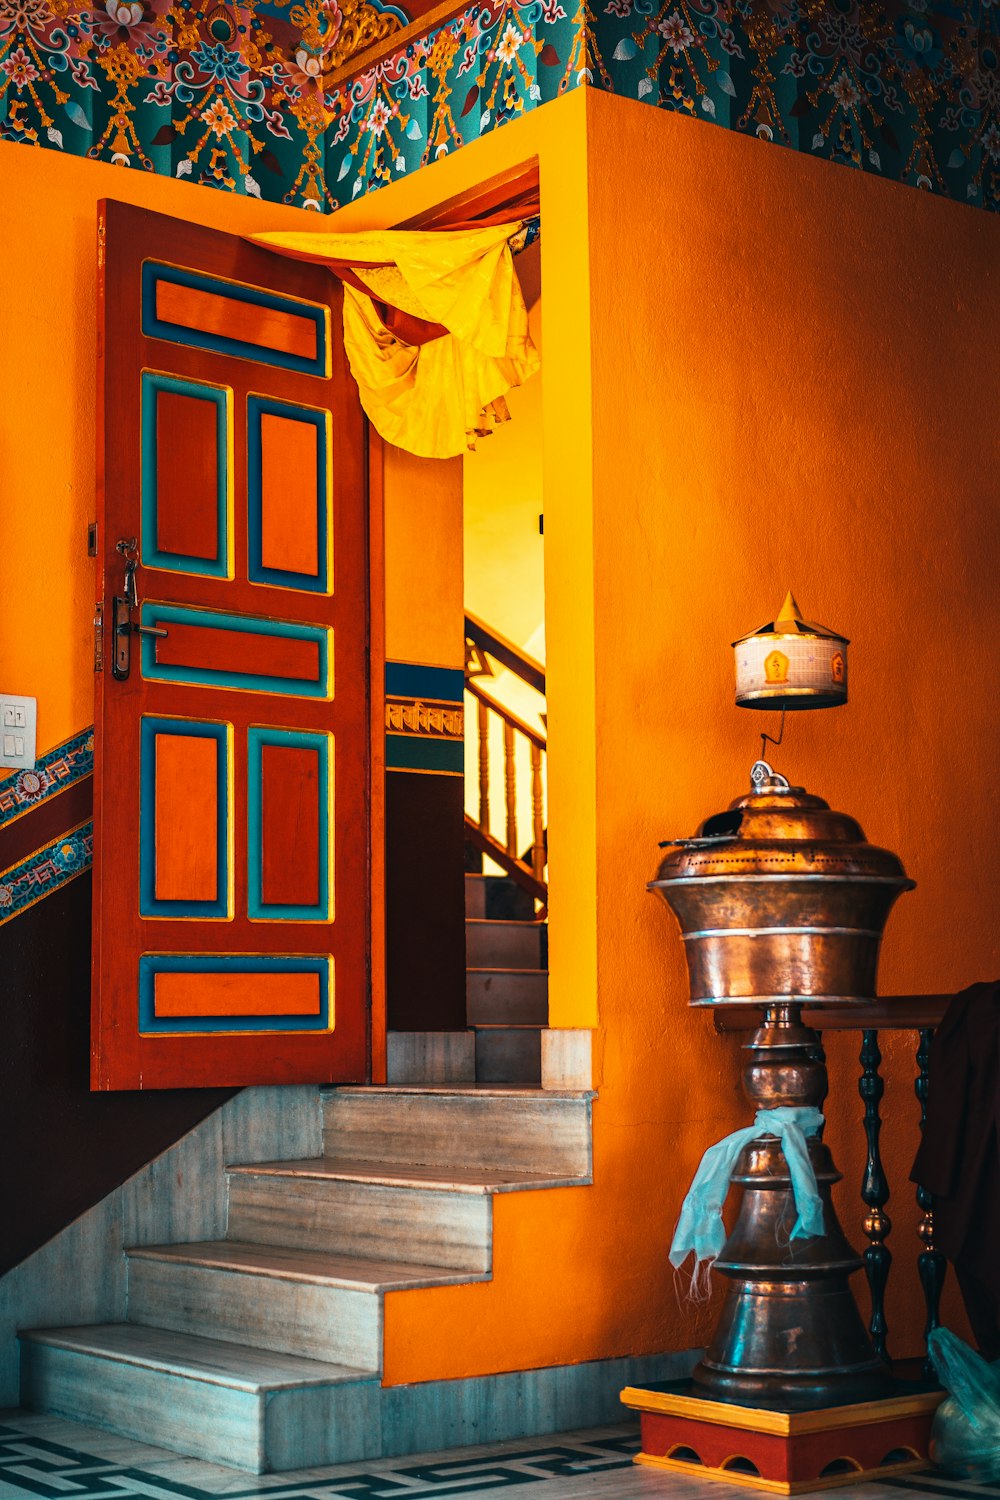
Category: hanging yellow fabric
[433,394]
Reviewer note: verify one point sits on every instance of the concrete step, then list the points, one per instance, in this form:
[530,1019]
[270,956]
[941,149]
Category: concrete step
[205,1398]
[268,1412]
[303,1302]
[504,945]
[516,1129]
[507,997]
[313,1206]
[509,1054]
[371,1210]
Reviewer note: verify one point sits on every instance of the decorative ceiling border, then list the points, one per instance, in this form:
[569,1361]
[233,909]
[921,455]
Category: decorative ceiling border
[258,97]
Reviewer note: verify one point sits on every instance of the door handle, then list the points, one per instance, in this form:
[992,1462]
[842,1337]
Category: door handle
[122,624]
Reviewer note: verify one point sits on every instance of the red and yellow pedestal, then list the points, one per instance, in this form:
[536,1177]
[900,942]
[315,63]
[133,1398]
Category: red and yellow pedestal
[784,1452]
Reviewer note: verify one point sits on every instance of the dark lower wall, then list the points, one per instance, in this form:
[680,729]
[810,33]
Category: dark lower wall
[65,1148]
[425,901]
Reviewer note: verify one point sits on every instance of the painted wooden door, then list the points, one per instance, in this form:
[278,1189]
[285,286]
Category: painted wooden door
[231,853]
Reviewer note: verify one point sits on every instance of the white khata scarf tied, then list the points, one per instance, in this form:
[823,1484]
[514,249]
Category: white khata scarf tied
[700,1228]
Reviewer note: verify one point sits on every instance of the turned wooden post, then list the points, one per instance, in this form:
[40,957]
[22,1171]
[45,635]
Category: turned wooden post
[931,1264]
[875,1190]
[483,721]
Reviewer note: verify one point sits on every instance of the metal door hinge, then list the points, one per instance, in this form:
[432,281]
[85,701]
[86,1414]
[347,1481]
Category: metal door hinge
[92,539]
[99,637]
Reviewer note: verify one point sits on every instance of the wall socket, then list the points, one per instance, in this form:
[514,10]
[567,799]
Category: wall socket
[18,718]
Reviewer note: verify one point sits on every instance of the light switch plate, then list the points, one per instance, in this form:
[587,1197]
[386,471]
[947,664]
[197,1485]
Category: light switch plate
[18,717]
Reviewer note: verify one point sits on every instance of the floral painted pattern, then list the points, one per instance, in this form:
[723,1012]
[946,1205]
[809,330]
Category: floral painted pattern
[54,772]
[46,871]
[238,96]
[907,91]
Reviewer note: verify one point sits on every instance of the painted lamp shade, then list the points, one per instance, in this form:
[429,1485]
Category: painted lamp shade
[791,663]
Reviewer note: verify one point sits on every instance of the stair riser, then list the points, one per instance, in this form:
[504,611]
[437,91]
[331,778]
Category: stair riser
[547,1135]
[264,1432]
[432,1057]
[475,896]
[503,945]
[498,898]
[193,1417]
[265,1312]
[513,1056]
[452,1230]
[504,997]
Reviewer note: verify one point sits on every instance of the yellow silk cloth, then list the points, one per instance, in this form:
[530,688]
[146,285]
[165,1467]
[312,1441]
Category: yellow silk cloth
[432,397]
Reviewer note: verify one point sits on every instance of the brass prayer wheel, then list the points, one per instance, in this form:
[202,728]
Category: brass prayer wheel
[782,902]
[780,899]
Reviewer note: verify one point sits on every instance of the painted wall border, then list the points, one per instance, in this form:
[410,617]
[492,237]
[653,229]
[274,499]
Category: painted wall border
[908,92]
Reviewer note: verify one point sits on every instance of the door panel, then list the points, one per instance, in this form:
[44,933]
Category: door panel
[186,464]
[232,780]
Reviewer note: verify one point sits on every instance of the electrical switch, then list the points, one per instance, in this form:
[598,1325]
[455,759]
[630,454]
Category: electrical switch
[18,718]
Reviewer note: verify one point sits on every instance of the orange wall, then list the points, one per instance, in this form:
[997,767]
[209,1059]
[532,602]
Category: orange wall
[423,559]
[788,366]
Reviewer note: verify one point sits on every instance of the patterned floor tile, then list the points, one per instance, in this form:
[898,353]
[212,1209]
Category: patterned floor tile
[46,1456]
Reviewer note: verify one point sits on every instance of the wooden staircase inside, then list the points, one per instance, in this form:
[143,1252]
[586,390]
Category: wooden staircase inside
[507,980]
[265,1350]
[506,936]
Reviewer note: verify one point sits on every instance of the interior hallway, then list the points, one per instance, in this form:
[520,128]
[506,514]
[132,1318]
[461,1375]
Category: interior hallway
[42,1455]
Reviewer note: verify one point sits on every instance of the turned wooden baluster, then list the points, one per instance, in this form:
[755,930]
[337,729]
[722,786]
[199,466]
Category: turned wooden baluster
[483,719]
[875,1190]
[510,781]
[537,815]
[931,1264]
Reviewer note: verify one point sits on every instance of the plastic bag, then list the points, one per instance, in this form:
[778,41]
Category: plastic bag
[965,1436]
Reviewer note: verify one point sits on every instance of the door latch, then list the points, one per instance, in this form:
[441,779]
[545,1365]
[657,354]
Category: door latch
[122,624]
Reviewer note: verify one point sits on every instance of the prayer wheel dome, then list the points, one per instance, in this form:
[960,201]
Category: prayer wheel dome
[780,900]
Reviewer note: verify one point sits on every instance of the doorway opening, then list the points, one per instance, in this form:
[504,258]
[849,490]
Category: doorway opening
[505,805]
[466,825]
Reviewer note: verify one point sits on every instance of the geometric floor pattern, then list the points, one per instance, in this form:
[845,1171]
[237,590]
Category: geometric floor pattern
[46,1456]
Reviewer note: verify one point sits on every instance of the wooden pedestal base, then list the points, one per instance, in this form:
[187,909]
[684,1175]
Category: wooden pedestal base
[785,1452]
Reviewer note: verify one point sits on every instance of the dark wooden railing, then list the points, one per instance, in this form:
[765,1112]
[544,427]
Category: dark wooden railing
[484,640]
[483,646]
[920,1014]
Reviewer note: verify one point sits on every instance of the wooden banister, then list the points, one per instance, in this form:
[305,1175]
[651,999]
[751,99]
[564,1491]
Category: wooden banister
[533,736]
[505,652]
[515,868]
[526,867]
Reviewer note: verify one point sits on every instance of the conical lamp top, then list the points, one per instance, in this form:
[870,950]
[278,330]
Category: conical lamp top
[789,621]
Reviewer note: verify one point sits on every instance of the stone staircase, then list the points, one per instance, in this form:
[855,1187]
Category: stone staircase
[507,980]
[264,1350]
